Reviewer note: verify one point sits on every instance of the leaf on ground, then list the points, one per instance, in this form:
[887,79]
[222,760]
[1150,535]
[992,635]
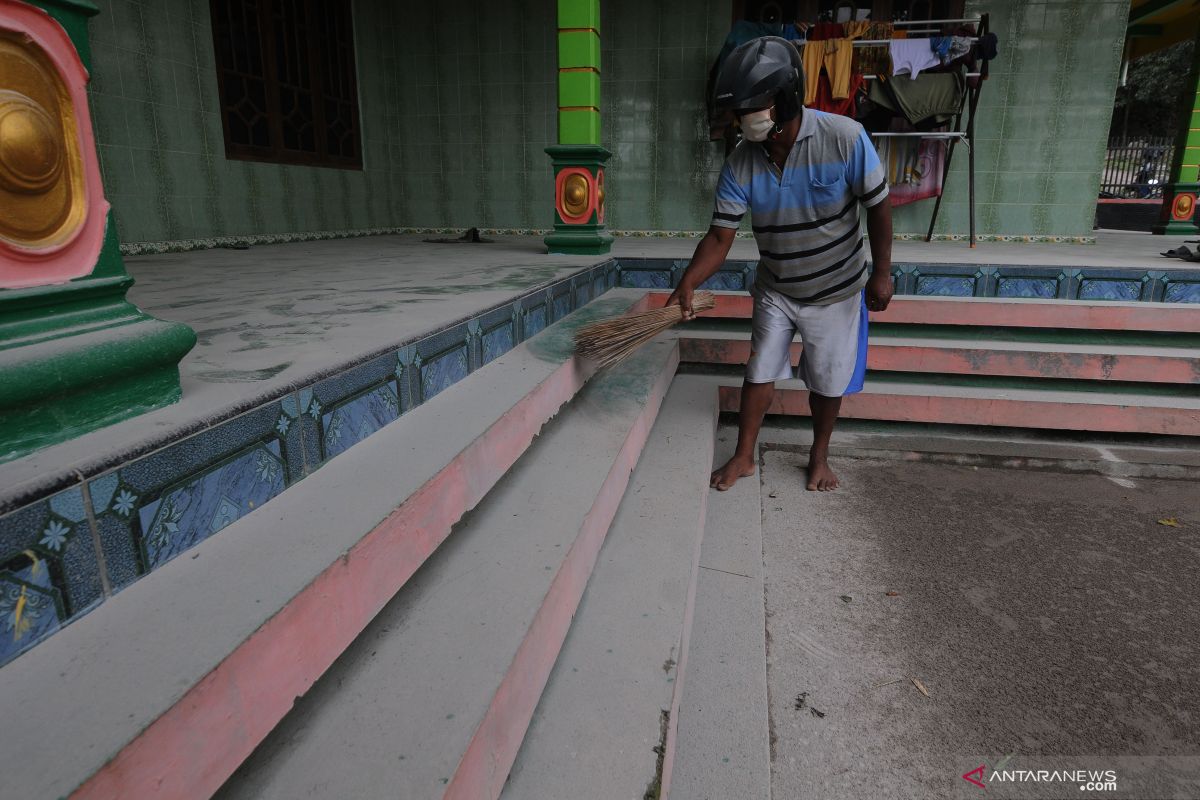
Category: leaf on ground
[920,686]
[1170,522]
[893,594]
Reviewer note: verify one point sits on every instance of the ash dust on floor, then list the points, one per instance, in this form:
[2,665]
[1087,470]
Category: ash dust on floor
[1047,618]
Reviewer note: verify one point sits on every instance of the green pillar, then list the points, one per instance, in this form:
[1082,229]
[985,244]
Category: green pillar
[578,158]
[75,355]
[1180,195]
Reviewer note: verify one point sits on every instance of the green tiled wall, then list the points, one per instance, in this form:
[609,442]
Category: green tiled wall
[1043,121]
[655,62]
[477,97]
[156,112]
[457,110]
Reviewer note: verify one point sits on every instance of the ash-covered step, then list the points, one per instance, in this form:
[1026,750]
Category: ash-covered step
[434,698]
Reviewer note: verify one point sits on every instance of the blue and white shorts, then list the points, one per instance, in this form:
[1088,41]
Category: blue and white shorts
[833,362]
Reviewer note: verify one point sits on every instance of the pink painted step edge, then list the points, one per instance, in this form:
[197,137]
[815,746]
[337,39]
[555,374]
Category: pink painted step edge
[935,358]
[193,747]
[1000,412]
[991,312]
[484,767]
[685,638]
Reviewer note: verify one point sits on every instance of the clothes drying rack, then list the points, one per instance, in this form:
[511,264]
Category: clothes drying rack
[967,108]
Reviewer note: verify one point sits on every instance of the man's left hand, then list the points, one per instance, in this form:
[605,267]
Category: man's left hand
[879,291]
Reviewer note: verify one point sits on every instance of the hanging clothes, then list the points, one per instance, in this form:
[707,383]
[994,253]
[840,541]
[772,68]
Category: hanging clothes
[836,57]
[930,100]
[925,174]
[912,56]
[825,101]
[873,60]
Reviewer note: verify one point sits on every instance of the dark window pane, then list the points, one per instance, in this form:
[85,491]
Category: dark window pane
[286,79]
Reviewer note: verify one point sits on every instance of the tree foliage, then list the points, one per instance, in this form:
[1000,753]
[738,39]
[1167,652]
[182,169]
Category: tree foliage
[1156,94]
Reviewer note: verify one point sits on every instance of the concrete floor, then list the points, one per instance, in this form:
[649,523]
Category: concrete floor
[1056,630]
[269,315]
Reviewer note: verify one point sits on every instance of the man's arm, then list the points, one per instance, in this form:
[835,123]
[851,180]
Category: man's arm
[879,229]
[709,256]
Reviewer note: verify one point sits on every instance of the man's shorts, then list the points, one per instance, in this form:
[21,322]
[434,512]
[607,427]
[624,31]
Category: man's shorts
[833,362]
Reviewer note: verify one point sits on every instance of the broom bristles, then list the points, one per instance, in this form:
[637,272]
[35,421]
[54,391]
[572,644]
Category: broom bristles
[608,341]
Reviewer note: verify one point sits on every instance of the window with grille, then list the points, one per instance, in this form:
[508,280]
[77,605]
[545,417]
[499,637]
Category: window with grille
[285,71]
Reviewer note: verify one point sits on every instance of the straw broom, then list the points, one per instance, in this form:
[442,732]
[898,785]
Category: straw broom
[608,341]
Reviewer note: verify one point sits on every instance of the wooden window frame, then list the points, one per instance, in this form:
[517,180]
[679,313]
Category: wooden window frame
[277,152]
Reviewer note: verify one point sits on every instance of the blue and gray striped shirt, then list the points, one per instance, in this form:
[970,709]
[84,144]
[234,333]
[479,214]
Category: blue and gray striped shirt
[806,219]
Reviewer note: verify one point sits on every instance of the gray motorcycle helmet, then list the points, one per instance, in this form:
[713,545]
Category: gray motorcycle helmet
[759,73]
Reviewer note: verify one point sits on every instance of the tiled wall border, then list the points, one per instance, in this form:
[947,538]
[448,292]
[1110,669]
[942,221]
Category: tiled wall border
[185,245]
[963,280]
[64,552]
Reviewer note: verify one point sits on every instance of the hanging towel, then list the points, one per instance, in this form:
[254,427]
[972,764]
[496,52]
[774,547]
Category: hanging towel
[912,56]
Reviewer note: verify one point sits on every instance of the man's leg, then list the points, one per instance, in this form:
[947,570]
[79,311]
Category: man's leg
[756,399]
[824,415]
[833,365]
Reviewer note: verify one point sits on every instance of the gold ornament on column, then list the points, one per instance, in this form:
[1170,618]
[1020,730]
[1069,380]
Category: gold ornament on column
[575,195]
[41,168]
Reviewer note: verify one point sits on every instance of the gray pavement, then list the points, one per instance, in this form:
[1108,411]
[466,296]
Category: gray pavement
[1050,618]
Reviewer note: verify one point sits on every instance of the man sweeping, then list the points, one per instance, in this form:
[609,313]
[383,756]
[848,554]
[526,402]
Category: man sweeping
[802,174]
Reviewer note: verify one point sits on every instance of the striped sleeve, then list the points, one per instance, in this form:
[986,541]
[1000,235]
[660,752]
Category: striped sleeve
[866,174]
[731,202]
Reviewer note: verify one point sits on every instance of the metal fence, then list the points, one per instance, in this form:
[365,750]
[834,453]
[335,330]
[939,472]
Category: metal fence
[1137,167]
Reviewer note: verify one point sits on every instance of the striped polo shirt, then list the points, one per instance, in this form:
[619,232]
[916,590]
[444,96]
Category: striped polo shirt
[806,218]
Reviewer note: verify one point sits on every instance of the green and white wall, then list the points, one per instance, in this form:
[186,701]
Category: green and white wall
[457,109]
[1043,121]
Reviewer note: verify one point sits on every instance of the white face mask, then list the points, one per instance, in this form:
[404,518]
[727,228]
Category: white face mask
[757,125]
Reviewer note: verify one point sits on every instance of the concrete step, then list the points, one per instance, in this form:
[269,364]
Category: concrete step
[896,401]
[1099,362]
[722,749]
[434,698]
[994,312]
[612,699]
[169,685]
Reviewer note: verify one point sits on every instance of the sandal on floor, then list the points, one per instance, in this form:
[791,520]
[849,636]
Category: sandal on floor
[1183,251]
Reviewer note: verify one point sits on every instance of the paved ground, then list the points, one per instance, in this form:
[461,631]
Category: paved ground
[1050,617]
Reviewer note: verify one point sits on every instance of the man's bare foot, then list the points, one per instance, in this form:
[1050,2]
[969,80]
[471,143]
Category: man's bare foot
[820,476]
[736,467]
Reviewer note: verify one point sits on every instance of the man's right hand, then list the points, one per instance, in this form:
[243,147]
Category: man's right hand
[682,297]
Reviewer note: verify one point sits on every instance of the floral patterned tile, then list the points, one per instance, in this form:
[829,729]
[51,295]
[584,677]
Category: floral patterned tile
[49,573]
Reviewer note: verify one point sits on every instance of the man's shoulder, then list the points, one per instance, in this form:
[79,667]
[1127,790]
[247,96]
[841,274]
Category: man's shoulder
[836,126]
[742,156]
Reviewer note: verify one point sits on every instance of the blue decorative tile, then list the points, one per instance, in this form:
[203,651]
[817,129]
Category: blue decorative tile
[945,286]
[535,320]
[498,341]
[48,570]
[646,279]
[1097,289]
[725,280]
[345,408]
[443,371]
[1027,287]
[583,294]
[1182,292]
[562,305]
[188,513]
[151,509]
[347,424]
